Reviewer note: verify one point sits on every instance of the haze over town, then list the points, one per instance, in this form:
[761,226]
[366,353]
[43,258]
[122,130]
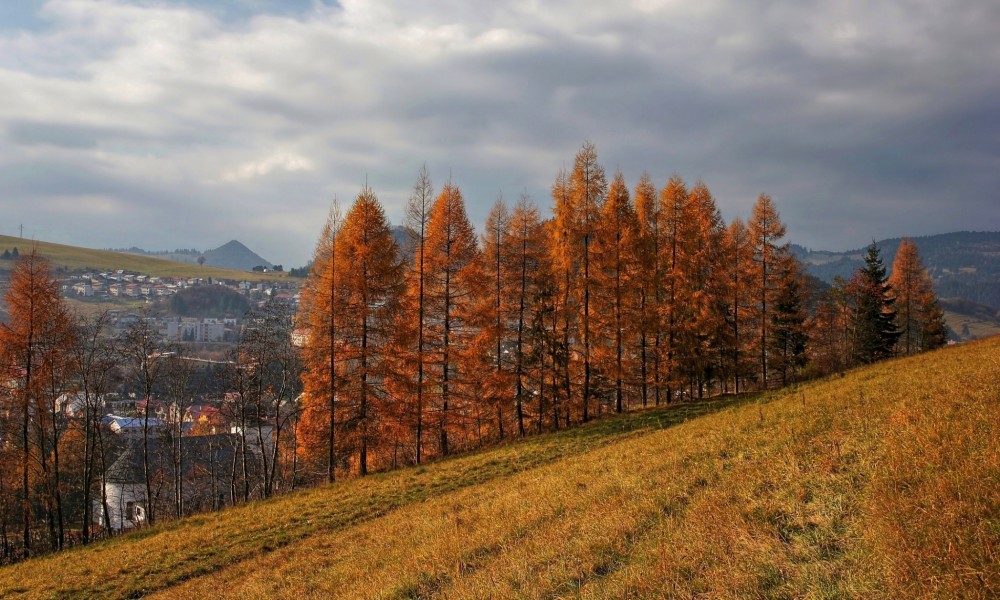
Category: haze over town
[191,123]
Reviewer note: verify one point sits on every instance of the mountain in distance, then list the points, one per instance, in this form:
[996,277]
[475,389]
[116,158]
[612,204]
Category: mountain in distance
[963,264]
[234,255]
[231,255]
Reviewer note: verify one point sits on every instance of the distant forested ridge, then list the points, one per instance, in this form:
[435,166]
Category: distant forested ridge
[208,300]
[963,264]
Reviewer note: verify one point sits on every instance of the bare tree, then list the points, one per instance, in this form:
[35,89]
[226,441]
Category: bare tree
[95,363]
[418,214]
[272,382]
[141,346]
[178,388]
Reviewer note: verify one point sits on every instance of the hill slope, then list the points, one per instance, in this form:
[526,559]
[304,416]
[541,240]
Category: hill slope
[73,258]
[969,320]
[881,483]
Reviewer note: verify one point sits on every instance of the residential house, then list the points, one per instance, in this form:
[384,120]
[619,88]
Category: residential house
[130,428]
[206,468]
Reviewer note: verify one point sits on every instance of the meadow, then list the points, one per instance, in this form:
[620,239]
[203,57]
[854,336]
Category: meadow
[883,482]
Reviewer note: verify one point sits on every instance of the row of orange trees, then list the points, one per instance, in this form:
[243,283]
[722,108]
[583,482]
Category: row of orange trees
[622,298]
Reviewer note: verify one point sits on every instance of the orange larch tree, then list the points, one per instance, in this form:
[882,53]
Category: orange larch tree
[561,241]
[587,187]
[615,277]
[370,294]
[413,353]
[738,271]
[530,292]
[707,296]
[766,230]
[648,284]
[493,310]
[674,227]
[451,252]
[320,316]
[919,317]
[35,351]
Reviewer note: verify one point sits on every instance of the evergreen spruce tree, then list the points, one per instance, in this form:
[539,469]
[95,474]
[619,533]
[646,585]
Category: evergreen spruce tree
[874,314]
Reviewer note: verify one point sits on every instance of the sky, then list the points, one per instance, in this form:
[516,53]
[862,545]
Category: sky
[186,124]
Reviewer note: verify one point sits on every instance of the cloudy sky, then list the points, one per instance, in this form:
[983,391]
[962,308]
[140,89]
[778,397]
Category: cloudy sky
[186,124]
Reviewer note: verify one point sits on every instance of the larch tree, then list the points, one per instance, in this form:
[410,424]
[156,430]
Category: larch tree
[648,282]
[524,242]
[451,252]
[370,293]
[493,310]
[674,227]
[561,238]
[739,272]
[766,231]
[35,348]
[707,336]
[830,329]
[320,315]
[615,280]
[919,317]
[588,187]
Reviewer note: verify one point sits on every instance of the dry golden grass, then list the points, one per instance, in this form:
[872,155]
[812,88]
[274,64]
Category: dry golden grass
[882,483]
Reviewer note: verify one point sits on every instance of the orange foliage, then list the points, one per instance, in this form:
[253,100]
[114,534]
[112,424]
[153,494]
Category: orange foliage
[918,314]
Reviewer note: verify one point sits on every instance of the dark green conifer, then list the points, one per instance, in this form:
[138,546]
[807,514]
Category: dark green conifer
[788,338]
[874,314]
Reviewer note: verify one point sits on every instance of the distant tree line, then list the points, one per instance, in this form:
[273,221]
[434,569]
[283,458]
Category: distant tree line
[136,250]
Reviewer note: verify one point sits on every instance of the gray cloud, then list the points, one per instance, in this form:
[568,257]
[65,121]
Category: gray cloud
[193,124]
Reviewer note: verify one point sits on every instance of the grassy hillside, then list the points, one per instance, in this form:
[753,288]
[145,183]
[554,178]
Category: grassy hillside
[73,258]
[882,483]
[970,320]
